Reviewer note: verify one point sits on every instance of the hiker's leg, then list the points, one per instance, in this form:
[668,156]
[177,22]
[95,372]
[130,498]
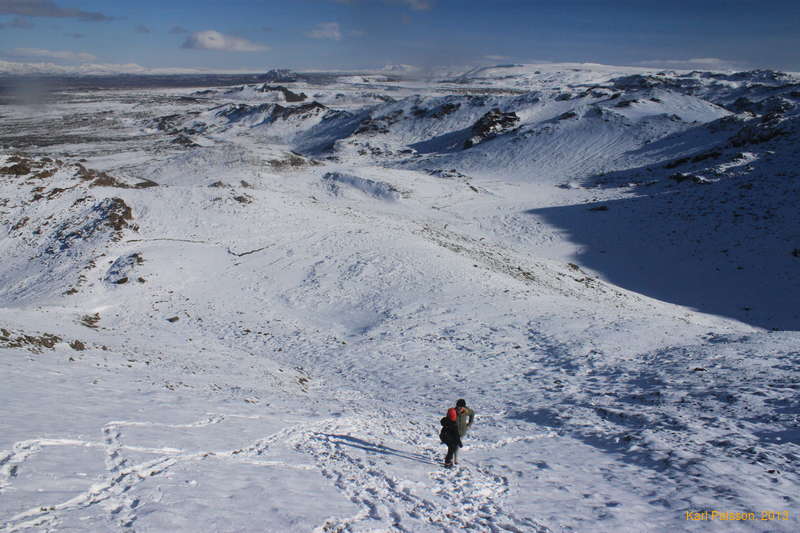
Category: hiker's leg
[451,450]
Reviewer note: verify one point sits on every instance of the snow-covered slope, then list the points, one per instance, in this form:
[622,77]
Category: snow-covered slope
[221,310]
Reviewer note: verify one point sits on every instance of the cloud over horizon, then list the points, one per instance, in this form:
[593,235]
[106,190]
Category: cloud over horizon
[326,30]
[48,8]
[700,63]
[63,55]
[20,23]
[416,5]
[365,34]
[214,40]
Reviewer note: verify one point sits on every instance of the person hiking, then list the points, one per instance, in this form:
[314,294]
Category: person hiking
[449,435]
[465,417]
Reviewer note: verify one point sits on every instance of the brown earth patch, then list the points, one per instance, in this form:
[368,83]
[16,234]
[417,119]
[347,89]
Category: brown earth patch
[90,321]
[33,343]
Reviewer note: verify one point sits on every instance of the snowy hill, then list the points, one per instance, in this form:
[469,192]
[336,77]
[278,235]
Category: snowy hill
[240,309]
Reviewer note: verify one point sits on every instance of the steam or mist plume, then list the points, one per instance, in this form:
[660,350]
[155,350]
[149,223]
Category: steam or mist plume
[28,92]
[214,40]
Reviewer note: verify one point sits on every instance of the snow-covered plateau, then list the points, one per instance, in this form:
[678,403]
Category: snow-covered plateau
[245,308]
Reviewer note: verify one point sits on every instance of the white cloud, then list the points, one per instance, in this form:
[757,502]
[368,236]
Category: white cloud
[19,23]
[326,30]
[64,55]
[141,28]
[214,40]
[12,67]
[496,58]
[417,5]
[48,8]
[708,63]
[400,68]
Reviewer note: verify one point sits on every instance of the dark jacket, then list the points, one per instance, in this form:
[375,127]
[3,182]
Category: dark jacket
[449,432]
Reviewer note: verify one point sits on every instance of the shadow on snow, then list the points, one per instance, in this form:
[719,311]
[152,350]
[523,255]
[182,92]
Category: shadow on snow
[354,442]
[708,247]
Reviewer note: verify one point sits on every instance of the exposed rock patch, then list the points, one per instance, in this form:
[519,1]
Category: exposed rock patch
[33,343]
[103,179]
[271,112]
[289,96]
[18,169]
[377,189]
[380,124]
[121,269]
[445,109]
[109,214]
[292,160]
[490,125]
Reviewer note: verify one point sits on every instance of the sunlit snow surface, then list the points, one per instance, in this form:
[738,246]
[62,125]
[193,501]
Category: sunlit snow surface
[224,311]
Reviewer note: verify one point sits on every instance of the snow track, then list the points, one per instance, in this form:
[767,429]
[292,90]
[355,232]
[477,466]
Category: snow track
[116,492]
[466,498]
[402,487]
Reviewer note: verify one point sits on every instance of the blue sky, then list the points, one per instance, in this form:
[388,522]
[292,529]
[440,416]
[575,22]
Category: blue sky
[258,35]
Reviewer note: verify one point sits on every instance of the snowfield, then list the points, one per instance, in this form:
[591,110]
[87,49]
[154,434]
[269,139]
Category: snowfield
[246,308]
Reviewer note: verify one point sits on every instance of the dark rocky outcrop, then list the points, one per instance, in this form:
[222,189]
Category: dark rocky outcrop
[103,179]
[291,160]
[757,133]
[289,96]
[183,140]
[18,169]
[336,181]
[711,154]
[490,125]
[380,124]
[680,177]
[236,112]
[167,122]
[767,106]
[445,109]
[108,216]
